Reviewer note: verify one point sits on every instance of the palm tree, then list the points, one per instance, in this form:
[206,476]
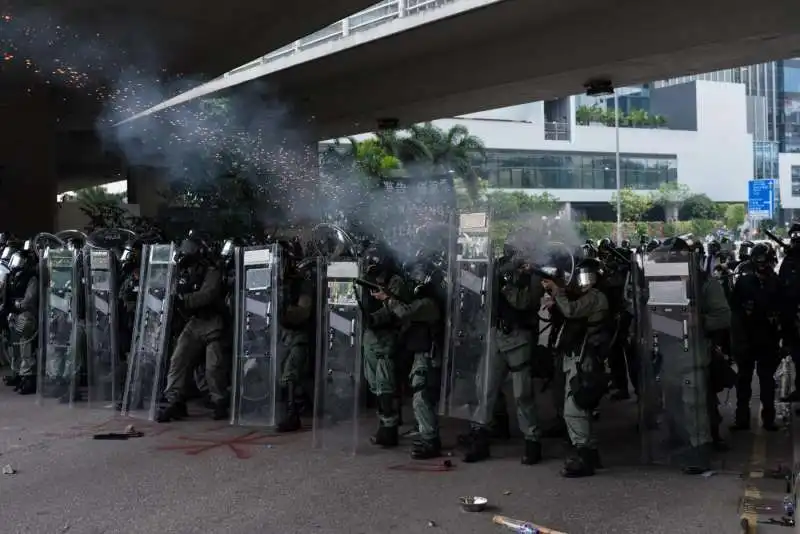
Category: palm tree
[405,148]
[452,151]
[370,157]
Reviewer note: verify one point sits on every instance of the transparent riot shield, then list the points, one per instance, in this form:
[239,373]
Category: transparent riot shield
[338,370]
[58,325]
[5,347]
[465,366]
[103,368]
[256,336]
[148,357]
[674,416]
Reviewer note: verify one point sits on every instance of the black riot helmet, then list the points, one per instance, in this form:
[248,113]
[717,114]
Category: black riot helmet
[191,251]
[131,253]
[744,250]
[794,233]
[625,244]
[587,273]
[8,251]
[605,248]
[760,259]
[652,245]
[379,258]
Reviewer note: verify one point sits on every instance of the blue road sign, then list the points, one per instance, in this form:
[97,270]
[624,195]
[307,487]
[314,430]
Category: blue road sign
[761,199]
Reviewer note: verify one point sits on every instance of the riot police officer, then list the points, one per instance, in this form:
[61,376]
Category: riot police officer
[517,297]
[296,330]
[379,341]
[199,300]
[420,337]
[756,307]
[22,309]
[613,284]
[789,275]
[583,343]
[129,267]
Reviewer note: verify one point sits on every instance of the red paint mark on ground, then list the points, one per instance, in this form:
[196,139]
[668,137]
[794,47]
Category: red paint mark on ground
[240,445]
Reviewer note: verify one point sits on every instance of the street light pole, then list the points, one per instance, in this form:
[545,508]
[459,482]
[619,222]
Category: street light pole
[619,176]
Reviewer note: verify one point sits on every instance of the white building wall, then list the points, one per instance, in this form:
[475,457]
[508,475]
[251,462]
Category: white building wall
[785,164]
[716,160]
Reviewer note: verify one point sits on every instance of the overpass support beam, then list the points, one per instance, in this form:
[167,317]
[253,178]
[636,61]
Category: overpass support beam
[28,180]
[146,186]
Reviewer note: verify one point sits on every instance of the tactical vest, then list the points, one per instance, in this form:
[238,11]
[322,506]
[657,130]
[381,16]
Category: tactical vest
[509,318]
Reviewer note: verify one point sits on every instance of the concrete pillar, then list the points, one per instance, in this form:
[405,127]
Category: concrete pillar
[28,180]
[146,186]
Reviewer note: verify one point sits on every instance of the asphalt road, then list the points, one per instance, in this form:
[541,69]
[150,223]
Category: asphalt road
[68,482]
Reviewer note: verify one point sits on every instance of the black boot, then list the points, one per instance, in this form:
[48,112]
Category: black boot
[533,452]
[478,446]
[12,381]
[426,449]
[580,463]
[697,460]
[27,385]
[291,419]
[174,411]
[219,411]
[386,437]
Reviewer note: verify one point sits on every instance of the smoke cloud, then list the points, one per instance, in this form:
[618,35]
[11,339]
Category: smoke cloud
[249,131]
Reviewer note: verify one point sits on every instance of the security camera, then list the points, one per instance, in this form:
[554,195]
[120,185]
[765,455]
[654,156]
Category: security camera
[599,87]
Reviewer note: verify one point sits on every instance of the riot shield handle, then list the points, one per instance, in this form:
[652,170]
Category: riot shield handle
[43,240]
[66,234]
[103,235]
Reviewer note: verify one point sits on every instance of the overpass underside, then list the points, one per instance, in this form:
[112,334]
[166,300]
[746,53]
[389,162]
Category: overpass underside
[518,51]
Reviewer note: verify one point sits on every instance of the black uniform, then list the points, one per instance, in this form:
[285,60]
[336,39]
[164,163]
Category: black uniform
[756,308]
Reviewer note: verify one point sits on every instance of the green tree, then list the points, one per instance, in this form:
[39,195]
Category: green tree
[633,204]
[735,214]
[406,148]
[453,151]
[671,196]
[507,206]
[701,207]
[104,209]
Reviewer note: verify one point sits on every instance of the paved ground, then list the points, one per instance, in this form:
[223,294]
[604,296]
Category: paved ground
[68,482]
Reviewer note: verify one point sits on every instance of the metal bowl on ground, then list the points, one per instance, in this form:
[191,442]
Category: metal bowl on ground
[473,504]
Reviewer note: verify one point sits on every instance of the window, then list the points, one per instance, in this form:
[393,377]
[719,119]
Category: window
[796,180]
[571,170]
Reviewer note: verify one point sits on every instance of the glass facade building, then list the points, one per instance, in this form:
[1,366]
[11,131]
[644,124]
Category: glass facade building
[789,103]
[576,170]
[764,85]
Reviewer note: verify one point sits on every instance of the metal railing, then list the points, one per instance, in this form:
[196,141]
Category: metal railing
[377,15]
[556,131]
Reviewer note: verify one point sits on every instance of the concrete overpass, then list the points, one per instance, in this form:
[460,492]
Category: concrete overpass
[176,39]
[471,55]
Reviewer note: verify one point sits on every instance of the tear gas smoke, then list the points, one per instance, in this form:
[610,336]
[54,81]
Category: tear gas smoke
[246,132]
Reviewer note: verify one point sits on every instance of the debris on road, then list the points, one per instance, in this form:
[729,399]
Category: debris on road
[506,493]
[431,524]
[523,527]
[130,432]
[8,470]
